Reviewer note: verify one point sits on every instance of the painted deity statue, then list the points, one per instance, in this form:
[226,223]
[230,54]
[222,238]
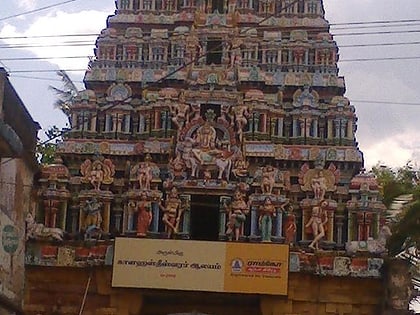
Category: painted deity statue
[145,175]
[317,221]
[96,176]
[267,213]
[172,212]
[237,216]
[268,179]
[205,138]
[319,185]
[93,216]
[241,114]
[290,226]
[144,214]
[180,112]
[240,167]
[97,172]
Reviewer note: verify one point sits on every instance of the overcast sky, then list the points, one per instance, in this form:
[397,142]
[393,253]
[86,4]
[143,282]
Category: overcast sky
[387,132]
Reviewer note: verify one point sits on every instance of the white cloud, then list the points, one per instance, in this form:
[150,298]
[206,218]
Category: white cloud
[395,150]
[60,23]
[27,4]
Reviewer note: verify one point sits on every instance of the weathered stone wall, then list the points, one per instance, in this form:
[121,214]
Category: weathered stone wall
[61,290]
[15,190]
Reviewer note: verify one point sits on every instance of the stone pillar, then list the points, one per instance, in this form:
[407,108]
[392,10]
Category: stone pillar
[330,232]
[93,122]
[337,128]
[142,124]
[62,223]
[127,122]
[74,219]
[329,129]
[130,216]
[118,215]
[343,127]
[108,122]
[279,222]
[222,216]
[315,128]
[280,126]
[106,215]
[339,228]
[287,129]
[350,134]
[294,126]
[155,221]
[186,199]
[254,222]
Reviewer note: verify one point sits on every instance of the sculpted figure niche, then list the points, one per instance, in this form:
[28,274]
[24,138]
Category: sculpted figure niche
[204,150]
[172,212]
[317,222]
[97,172]
[319,180]
[92,221]
[180,112]
[237,211]
[144,214]
[144,174]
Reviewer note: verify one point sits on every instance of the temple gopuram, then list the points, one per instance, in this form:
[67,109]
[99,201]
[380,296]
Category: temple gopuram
[211,168]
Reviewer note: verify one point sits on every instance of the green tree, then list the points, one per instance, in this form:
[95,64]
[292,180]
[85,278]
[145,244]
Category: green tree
[400,190]
[66,94]
[45,150]
[65,98]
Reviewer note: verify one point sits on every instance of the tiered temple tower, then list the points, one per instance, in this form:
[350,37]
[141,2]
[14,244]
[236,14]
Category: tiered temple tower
[211,98]
[215,120]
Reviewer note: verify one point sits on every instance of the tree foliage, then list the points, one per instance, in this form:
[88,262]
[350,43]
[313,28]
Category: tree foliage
[405,239]
[45,150]
[66,94]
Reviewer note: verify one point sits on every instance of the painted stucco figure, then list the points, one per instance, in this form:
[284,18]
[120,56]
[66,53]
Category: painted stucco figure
[172,212]
[237,215]
[144,214]
[290,226]
[317,222]
[267,213]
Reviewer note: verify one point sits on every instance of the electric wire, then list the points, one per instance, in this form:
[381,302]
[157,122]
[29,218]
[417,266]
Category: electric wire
[388,24]
[159,80]
[375,32]
[36,10]
[376,22]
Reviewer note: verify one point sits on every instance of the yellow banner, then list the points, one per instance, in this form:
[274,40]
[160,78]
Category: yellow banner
[201,266]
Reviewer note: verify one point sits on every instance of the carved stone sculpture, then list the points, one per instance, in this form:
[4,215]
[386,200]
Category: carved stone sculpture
[238,210]
[144,214]
[290,226]
[92,222]
[39,231]
[97,172]
[267,212]
[172,212]
[317,221]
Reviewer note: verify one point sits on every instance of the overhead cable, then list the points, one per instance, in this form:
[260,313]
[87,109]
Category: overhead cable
[36,10]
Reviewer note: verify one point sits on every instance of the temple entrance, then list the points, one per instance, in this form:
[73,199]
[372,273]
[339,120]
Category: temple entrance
[204,217]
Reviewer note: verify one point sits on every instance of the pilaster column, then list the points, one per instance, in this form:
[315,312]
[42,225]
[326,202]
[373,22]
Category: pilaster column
[279,222]
[350,134]
[315,128]
[329,129]
[254,221]
[280,126]
[294,126]
[155,220]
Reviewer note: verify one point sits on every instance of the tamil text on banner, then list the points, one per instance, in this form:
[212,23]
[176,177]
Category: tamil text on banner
[201,266]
